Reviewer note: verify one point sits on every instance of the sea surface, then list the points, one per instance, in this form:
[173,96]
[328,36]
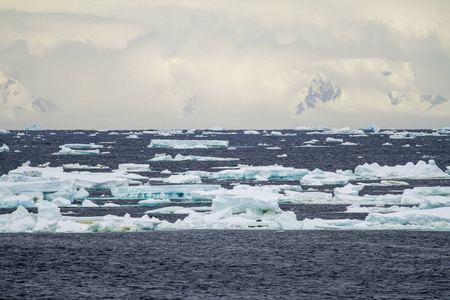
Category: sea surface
[224,264]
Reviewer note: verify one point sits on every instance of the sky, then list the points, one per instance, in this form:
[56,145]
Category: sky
[235,64]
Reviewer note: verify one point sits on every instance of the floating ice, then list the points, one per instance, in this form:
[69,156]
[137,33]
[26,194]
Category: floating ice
[251,132]
[242,211]
[69,151]
[4,148]
[54,180]
[3,131]
[188,144]
[16,201]
[372,127]
[344,130]
[180,157]
[49,219]
[134,167]
[33,127]
[183,178]
[306,197]
[161,191]
[88,203]
[317,128]
[268,172]
[85,167]
[349,144]
[154,202]
[421,170]
[81,146]
[333,140]
[429,218]
[319,177]
[217,128]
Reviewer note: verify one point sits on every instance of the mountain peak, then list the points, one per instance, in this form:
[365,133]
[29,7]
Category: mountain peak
[318,89]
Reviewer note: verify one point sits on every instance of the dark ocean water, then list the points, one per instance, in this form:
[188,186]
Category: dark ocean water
[227,264]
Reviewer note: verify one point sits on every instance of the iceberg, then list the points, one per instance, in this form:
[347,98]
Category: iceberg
[421,170]
[251,132]
[34,127]
[154,202]
[319,177]
[333,140]
[49,219]
[245,210]
[81,146]
[183,178]
[134,167]
[188,144]
[160,191]
[306,197]
[4,148]
[372,127]
[179,157]
[342,131]
[16,201]
[267,172]
[86,167]
[69,151]
[428,218]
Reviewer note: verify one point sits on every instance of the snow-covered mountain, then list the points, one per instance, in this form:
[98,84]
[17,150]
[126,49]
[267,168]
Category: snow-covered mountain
[15,98]
[318,89]
[399,97]
[321,90]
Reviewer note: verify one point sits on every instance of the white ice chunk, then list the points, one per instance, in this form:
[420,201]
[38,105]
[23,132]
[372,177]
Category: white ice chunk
[372,127]
[161,191]
[180,157]
[33,127]
[134,167]
[268,172]
[421,170]
[62,202]
[319,177]
[69,151]
[154,202]
[182,178]
[79,166]
[306,197]
[81,146]
[426,217]
[4,148]
[16,201]
[188,144]
[88,203]
[333,140]
[259,203]
[48,210]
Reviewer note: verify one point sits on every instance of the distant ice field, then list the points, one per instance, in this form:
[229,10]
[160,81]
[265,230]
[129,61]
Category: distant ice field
[147,180]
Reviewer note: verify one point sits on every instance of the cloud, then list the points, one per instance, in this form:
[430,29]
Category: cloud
[144,64]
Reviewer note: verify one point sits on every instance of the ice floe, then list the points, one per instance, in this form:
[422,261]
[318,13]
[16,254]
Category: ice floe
[188,144]
[130,167]
[4,148]
[179,157]
[421,170]
[267,172]
[161,191]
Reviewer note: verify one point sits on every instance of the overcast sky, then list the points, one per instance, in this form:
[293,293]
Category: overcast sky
[236,64]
